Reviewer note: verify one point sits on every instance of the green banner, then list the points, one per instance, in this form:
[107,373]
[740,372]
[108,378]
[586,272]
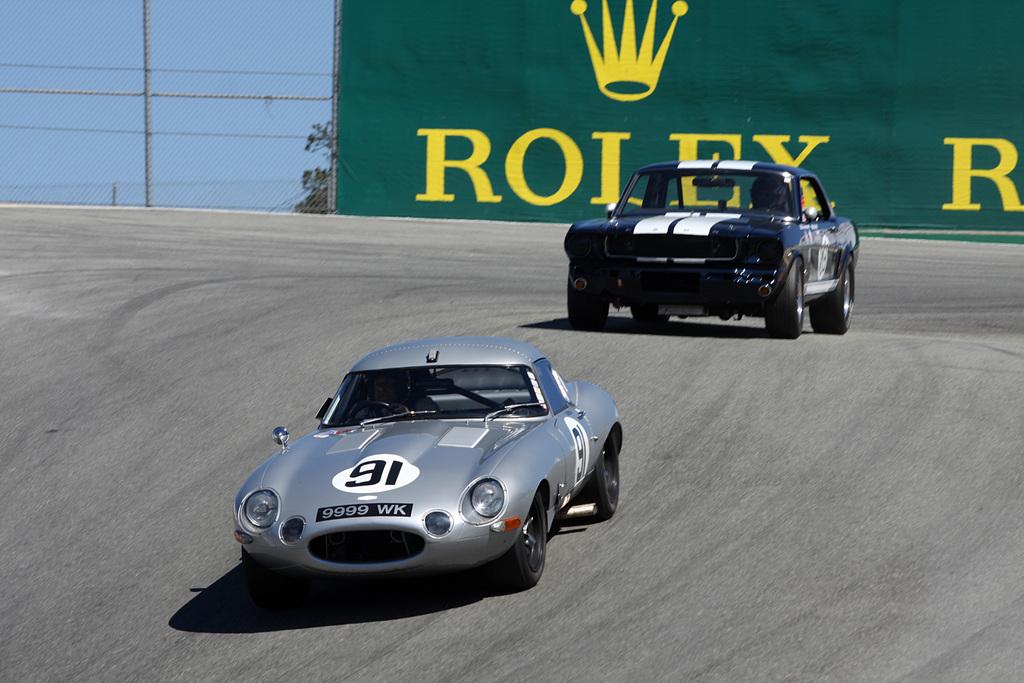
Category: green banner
[910,112]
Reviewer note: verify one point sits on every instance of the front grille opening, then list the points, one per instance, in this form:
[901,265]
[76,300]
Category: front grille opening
[712,247]
[366,547]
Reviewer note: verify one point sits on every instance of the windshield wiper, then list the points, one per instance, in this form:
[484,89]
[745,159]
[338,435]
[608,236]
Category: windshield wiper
[398,416]
[509,409]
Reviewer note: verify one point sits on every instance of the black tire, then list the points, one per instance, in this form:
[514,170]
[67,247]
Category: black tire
[647,313]
[586,312]
[271,590]
[604,484]
[831,314]
[784,315]
[522,565]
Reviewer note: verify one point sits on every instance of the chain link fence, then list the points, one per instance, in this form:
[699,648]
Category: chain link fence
[227,195]
[236,90]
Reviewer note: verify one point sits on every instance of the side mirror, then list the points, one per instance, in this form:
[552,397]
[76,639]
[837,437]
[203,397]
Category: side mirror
[810,213]
[280,436]
[609,208]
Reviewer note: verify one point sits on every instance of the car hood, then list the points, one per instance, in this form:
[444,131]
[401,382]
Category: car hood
[686,223]
[428,463]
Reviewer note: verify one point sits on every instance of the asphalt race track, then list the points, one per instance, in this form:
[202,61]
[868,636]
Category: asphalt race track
[830,508]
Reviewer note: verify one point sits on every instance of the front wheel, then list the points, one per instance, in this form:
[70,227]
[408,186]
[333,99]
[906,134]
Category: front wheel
[831,315]
[522,565]
[586,312]
[271,590]
[784,315]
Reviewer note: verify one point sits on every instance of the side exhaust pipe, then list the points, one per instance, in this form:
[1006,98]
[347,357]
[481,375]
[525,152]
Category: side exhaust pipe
[585,510]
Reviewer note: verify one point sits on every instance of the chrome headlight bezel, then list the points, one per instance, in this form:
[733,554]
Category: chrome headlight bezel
[291,529]
[259,510]
[484,501]
[438,523]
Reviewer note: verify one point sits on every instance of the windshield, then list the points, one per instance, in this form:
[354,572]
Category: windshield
[675,189]
[438,392]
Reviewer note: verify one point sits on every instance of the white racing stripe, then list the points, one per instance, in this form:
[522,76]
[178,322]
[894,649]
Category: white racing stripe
[696,224]
[698,164]
[702,164]
[682,224]
[735,166]
[658,225]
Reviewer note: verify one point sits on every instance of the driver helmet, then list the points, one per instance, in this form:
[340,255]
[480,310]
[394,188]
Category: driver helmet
[768,192]
[389,386]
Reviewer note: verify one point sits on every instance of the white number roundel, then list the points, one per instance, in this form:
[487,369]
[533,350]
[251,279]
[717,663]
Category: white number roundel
[580,447]
[376,474]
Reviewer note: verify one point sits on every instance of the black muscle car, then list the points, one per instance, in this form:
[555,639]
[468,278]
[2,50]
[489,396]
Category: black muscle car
[716,238]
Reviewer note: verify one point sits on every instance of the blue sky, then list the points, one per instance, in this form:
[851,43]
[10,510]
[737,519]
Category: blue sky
[212,46]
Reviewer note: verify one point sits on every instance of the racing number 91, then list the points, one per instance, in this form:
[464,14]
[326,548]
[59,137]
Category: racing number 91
[580,448]
[373,470]
[580,443]
[376,474]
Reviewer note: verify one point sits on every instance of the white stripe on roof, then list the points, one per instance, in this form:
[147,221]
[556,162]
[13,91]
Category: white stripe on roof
[736,165]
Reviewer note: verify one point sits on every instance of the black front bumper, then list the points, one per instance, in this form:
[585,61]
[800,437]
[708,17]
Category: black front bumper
[715,289]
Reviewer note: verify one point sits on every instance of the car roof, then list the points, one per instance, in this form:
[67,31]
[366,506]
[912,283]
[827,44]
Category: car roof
[450,351]
[724,165]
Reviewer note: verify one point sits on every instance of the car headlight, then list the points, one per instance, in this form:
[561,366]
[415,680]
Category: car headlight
[260,509]
[579,246]
[486,500]
[769,251]
[291,530]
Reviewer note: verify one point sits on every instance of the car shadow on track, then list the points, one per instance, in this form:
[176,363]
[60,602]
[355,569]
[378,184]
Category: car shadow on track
[225,607]
[673,328]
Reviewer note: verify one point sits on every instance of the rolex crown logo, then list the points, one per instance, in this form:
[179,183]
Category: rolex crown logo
[622,72]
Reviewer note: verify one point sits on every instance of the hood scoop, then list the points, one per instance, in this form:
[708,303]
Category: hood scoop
[462,437]
[353,441]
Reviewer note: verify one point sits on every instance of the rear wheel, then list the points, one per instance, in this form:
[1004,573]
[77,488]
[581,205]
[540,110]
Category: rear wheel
[522,565]
[586,312]
[831,315]
[271,590]
[784,315]
[605,481]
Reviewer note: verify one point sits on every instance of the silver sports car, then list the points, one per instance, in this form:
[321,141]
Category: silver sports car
[434,456]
